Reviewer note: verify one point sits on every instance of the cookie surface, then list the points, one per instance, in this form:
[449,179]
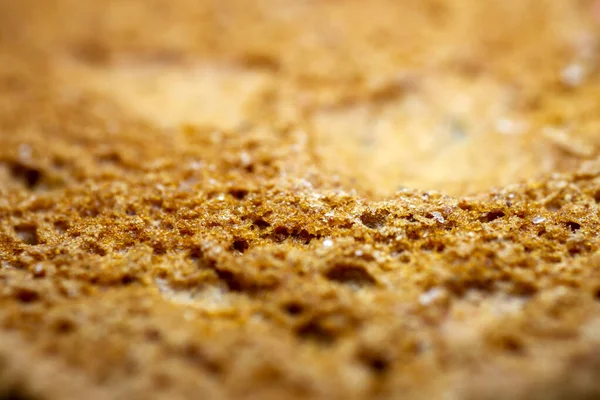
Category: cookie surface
[299,199]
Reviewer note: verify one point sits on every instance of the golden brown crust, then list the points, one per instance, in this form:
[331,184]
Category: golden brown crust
[246,199]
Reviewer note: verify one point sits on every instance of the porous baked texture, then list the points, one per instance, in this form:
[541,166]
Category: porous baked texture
[299,199]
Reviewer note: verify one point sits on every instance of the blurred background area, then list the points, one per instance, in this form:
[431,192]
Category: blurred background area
[450,95]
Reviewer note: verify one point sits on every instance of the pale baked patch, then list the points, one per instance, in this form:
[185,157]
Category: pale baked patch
[174,94]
